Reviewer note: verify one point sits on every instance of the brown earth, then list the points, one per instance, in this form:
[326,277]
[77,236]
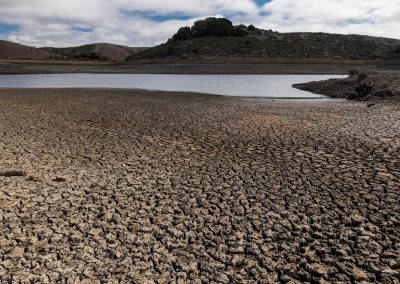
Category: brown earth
[360,86]
[11,50]
[103,51]
[150,187]
[204,66]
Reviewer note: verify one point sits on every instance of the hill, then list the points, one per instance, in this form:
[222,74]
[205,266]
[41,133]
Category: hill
[254,42]
[97,51]
[11,50]
[91,52]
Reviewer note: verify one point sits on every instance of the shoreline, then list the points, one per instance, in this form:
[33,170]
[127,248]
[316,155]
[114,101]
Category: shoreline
[212,66]
[358,86]
[24,89]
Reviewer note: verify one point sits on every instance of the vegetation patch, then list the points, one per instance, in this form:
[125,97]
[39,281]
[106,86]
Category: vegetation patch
[217,27]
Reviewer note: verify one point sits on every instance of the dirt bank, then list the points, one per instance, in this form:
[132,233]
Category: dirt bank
[358,86]
[203,66]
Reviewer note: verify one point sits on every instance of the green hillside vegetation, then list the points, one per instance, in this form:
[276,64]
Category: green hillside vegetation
[214,37]
[85,52]
[214,27]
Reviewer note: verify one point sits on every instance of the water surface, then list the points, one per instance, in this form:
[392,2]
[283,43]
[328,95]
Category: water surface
[267,86]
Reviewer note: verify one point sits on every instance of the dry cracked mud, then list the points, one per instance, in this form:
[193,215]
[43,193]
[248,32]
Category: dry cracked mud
[113,186]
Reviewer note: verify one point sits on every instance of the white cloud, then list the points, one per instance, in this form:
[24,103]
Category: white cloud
[372,17]
[149,22]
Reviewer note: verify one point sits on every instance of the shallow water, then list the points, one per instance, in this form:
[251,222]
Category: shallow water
[267,86]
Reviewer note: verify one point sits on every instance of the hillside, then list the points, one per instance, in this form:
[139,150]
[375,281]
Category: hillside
[212,39]
[218,38]
[279,45]
[91,52]
[11,50]
[98,51]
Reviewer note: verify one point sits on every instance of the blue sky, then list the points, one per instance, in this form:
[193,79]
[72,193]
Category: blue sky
[149,22]
[7,28]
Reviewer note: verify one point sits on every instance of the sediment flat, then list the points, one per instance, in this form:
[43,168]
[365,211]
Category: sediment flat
[159,187]
[203,66]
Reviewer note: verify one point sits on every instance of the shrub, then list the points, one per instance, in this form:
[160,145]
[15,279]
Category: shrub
[182,34]
[212,27]
[353,72]
[251,28]
[171,50]
[93,56]
[361,77]
[216,27]
[238,32]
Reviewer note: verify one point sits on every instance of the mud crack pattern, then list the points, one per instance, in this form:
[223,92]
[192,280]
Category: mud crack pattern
[103,186]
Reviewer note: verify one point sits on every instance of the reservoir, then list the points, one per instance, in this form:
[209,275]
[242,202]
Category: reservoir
[265,86]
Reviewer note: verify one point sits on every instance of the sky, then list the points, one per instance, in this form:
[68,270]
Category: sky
[150,22]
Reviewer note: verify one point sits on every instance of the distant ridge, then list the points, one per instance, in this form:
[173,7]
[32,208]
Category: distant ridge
[11,50]
[91,52]
[96,51]
[218,38]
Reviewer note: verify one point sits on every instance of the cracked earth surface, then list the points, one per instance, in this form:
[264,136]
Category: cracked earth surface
[112,186]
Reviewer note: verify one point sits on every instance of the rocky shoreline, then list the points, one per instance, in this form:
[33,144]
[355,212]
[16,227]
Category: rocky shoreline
[358,86]
[122,186]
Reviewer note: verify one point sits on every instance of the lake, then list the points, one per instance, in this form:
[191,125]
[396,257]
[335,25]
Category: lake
[267,86]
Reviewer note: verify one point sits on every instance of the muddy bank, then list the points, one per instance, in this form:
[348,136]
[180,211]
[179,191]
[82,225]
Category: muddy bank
[358,86]
[204,66]
[108,186]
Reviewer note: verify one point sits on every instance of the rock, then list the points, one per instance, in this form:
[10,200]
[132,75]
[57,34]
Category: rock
[353,72]
[222,278]
[318,270]
[60,179]
[13,173]
[35,178]
[359,274]
[371,86]
[357,219]
[361,77]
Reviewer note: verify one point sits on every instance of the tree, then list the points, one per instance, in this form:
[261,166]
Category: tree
[217,27]
[182,34]
[212,27]
[251,28]
[93,56]
[171,50]
[238,32]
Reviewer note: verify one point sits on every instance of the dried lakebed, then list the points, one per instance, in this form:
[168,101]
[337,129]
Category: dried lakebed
[143,187]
